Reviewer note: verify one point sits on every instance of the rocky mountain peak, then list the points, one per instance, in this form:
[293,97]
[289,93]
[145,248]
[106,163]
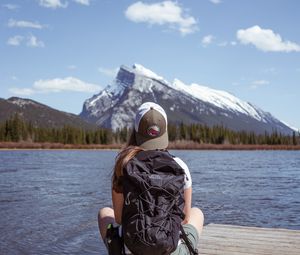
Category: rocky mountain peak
[114,107]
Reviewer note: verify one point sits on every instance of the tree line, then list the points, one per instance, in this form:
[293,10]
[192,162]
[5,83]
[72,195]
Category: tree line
[221,135]
[16,129]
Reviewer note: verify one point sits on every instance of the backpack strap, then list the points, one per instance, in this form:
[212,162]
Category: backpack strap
[192,250]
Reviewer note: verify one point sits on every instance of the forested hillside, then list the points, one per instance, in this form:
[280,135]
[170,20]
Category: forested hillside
[16,129]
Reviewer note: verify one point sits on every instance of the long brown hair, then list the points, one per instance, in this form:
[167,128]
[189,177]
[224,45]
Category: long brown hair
[122,159]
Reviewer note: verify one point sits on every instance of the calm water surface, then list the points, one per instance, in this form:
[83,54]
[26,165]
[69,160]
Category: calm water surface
[49,199]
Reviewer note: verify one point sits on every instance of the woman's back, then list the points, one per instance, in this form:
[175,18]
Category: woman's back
[151,193]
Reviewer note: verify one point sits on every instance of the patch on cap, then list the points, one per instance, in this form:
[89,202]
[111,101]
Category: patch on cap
[153,131]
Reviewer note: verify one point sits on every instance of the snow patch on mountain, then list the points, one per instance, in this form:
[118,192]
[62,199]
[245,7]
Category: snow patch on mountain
[141,70]
[21,102]
[291,127]
[219,98]
[110,93]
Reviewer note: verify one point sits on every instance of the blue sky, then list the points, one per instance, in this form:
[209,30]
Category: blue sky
[61,52]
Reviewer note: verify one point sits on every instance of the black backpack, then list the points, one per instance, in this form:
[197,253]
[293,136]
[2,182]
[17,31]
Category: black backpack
[153,188]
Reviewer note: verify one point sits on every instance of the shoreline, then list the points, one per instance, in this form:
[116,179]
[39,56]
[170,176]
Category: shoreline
[178,145]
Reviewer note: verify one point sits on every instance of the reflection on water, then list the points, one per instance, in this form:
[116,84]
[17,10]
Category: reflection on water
[49,199]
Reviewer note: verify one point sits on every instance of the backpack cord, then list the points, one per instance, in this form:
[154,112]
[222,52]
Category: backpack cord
[123,245]
[157,223]
[187,241]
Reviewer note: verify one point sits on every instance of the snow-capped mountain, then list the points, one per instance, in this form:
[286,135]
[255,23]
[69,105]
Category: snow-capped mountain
[114,107]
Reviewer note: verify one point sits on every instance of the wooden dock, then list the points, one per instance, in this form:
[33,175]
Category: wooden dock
[219,239]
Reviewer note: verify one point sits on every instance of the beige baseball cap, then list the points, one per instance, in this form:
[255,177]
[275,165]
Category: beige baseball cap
[151,127]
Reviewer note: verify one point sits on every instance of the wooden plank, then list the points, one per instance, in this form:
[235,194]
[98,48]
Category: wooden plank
[254,232]
[253,246]
[238,240]
[249,242]
[254,229]
[257,236]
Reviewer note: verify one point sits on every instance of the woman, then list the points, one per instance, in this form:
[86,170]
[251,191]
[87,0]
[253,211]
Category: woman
[150,133]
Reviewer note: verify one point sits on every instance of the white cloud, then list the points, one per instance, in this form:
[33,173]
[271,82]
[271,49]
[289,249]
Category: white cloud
[15,40]
[21,91]
[108,72]
[83,2]
[215,1]
[207,40]
[66,84]
[57,85]
[61,3]
[226,43]
[265,40]
[259,83]
[24,24]
[53,4]
[163,13]
[34,42]
[11,7]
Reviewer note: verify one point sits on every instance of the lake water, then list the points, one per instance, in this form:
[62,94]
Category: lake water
[49,199]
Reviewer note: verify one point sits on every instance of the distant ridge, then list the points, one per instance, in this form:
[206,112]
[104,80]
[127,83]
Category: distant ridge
[114,107]
[39,114]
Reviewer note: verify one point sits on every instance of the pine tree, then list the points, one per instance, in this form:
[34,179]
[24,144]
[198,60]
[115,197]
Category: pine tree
[294,138]
[15,128]
[2,132]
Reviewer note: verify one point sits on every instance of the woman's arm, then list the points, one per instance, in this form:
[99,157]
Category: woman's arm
[187,204]
[117,200]
[187,189]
